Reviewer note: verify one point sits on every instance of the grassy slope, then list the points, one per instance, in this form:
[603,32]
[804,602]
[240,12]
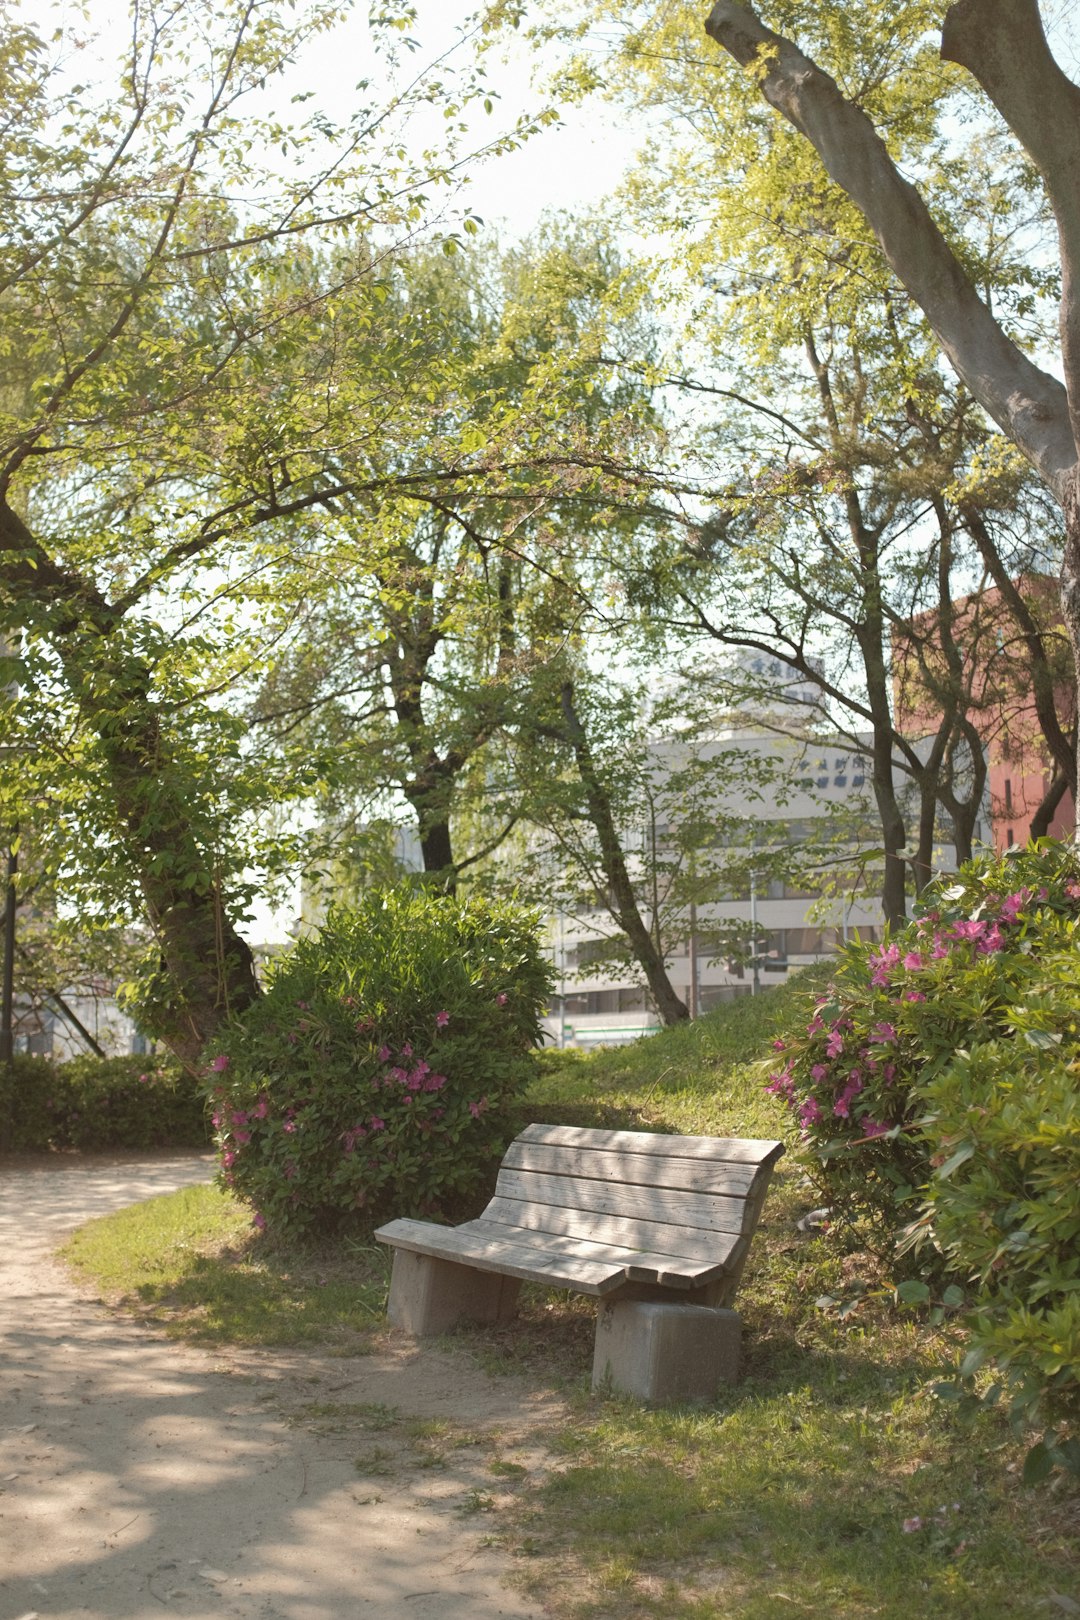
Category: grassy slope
[792,1493]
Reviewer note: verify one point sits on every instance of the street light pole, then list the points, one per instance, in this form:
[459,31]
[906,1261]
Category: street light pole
[755,982]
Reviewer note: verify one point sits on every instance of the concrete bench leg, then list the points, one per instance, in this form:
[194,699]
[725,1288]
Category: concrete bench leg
[665,1353]
[429,1295]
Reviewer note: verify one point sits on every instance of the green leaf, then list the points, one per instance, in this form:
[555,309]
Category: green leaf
[963,1153]
[913,1292]
[1037,1465]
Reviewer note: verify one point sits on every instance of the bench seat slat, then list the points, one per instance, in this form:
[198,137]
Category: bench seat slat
[722,1149]
[487,1253]
[633,1169]
[651,1236]
[667,1206]
[640,1265]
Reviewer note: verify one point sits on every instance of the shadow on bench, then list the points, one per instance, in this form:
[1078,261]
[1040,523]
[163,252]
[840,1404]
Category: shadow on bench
[657,1228]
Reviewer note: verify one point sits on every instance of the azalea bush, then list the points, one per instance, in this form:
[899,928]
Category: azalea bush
[375,1076]
[936,1089]
[896,1015]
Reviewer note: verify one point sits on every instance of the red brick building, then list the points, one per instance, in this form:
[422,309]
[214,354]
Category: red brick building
[996,692]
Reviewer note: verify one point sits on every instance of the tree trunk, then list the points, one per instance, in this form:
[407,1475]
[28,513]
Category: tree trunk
[430,799]
[668,1004]
[210,969]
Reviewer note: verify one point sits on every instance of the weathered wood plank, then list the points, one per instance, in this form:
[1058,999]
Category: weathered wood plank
[667,1206]
[685,1243]
[486,1253]
[727,1149]
[633,1169]
[639,1264]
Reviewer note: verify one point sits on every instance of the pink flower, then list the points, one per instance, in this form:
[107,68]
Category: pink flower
[289,1125]
[779,1046]
[809,1113]
[993,941]
[883,1033]
[909,1526]
[434,1082]
[780,1084]
[261,1109]
[913,961]
[815,1026]
[873,1127]
[228,1158]
[501,999]
[143,1078]
[441,1020]
[478,1108]
[834,1045]
[220,1062]
[243,1137]
[239,1117]
[842,1105]
[885,959]
[259,1221]
[1014,905]
[376,1123]
[384,1054]
[819,1072]
[914,995]
[406,1050]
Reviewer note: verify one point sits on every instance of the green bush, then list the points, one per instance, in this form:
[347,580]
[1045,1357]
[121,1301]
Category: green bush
[376,1075]
[94,1104]
[937,1089]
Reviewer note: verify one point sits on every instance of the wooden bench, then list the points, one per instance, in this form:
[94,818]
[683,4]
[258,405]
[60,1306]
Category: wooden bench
[657,1228]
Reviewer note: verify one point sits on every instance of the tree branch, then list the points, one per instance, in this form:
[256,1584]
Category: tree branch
[1026,402]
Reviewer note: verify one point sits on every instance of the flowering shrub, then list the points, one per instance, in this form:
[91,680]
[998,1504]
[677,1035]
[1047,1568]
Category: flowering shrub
[897,1014]
[937,1091]
[374,1076]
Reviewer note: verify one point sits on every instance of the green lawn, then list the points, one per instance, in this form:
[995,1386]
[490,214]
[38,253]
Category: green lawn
[828,1482]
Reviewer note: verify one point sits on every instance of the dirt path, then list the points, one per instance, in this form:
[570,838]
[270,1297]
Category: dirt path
[140,1478]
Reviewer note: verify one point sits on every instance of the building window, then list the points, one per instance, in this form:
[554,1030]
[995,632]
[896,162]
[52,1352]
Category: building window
[1008,798]
[1009,839]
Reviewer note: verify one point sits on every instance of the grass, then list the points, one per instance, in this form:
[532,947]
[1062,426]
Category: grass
[189,1262]
[790,1495]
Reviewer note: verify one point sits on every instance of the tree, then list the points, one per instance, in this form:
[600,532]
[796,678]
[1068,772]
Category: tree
[446,605]
[180,399]
[860,489]
[1002,45]
[644,821]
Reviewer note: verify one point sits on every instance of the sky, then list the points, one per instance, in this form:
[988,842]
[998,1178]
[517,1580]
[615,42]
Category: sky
[573,166]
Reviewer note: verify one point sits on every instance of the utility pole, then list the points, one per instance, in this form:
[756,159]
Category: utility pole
[693,995]
[755,982]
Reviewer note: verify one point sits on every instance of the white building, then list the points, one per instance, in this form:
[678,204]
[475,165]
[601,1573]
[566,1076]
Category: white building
[803,804]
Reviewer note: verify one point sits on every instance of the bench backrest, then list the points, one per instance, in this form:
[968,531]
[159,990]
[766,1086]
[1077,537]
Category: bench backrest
[677,1195]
